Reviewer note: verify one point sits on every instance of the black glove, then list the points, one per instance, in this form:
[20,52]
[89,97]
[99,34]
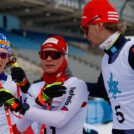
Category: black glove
[8,99]
[50,91]
[19,76]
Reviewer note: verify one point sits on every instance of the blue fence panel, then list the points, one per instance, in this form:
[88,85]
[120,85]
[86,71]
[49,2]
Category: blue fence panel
[99,111]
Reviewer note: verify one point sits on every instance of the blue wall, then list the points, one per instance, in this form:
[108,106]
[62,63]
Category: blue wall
[11,22]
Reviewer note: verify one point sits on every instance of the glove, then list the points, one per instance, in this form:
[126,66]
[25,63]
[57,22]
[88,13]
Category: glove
[7,98]
[49,92]
[19,76]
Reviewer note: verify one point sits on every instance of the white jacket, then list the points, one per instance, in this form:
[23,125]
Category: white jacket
[68,111]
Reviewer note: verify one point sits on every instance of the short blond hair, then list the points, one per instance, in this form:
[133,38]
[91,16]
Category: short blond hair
[114,27]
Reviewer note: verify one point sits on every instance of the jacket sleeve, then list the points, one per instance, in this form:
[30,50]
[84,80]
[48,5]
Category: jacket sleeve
[97,89]
[78,94]
[22,125]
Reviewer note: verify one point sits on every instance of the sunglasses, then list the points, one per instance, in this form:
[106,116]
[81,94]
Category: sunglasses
[85,29]
[53,54]
[4,55]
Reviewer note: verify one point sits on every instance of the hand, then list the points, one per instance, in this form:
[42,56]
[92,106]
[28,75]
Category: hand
[50,91]
[53,90]
[19,76]
[8,99]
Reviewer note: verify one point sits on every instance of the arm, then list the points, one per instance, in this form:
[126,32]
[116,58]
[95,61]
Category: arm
[97,89]
[19,76]
[131,57]
[23,124]
[60,117]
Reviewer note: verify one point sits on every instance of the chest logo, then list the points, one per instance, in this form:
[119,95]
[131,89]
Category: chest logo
[113,86]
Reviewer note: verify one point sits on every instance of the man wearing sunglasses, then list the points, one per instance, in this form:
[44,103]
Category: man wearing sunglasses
[101,27]
[6,82]
[9,85]
[58,102]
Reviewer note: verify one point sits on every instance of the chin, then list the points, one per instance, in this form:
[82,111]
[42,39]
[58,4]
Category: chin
[50,71]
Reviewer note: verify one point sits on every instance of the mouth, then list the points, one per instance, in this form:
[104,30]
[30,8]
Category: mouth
[49,65]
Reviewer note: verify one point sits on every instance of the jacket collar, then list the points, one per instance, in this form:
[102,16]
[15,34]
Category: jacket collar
[118,43]
[3,76]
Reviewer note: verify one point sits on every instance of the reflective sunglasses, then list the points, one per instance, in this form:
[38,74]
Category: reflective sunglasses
[4,55]
[53,54]
[85,29]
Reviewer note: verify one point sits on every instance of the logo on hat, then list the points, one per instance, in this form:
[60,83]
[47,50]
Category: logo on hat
[112,16]
[84,17]
[51,40]
[96,18]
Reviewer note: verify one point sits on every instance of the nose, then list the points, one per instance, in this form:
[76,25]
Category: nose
[85,36]
[49,58]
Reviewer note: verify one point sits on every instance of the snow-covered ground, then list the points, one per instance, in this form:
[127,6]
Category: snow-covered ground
[104,128]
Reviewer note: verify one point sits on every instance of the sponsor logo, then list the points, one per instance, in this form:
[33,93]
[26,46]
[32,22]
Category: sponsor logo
[64,108]
[51,40]
[71,94]
[113,87]
[96,18]
[84,17]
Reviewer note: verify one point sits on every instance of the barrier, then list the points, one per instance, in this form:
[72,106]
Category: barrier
[98,111]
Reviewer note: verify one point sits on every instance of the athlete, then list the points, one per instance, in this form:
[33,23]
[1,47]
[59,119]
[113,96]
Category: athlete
[67,113]
[7,82]
[101,26]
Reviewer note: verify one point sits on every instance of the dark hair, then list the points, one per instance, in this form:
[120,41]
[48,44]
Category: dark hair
[114,27]
[9,64]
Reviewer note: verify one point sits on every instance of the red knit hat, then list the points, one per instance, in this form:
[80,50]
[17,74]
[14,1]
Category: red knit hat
[97,11]
[56,42]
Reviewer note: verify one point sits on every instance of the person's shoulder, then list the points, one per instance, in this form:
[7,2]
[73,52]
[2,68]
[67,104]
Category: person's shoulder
[77,84]
[35,88]
[75,81]
[128,45]
[37,81]
[9,80]
[38,84]
[10,84]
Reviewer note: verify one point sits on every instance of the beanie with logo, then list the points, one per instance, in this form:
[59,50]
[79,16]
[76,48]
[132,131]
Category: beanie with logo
[97,11]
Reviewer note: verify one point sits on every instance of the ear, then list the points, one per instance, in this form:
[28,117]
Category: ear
[101,26]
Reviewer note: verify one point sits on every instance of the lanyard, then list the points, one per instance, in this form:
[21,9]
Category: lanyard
[8,117]
[15,64]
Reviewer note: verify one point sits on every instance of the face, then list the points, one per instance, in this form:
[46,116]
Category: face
[50,65]
[4,61]
[94,34]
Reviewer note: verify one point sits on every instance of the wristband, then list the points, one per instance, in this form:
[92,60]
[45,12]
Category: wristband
[40,100]
[22,83]
[25,107]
